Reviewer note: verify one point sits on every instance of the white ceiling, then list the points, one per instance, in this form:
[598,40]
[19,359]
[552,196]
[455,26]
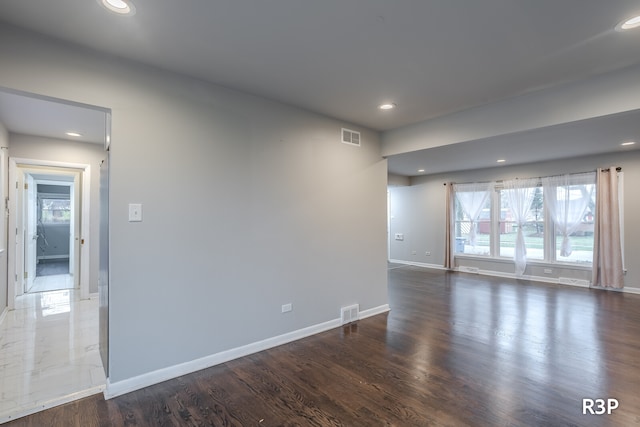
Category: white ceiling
[52,118]
[344,57]
[582,138]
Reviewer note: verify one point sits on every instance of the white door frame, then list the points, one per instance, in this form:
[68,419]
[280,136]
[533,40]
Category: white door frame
[85,225]
[74,229]
[30,235]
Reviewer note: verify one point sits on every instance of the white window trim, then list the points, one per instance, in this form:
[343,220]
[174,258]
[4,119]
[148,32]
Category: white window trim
[549,241]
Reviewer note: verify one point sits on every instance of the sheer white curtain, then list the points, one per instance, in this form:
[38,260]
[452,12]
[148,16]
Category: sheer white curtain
[519,194]
[472,197]
[567,198]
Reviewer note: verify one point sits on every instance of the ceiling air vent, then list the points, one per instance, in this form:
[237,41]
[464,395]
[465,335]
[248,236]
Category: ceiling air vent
[351,137]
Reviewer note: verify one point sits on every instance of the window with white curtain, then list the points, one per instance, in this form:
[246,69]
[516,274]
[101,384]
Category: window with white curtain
[522,220]
[472,218]
[547,219]
[571,203]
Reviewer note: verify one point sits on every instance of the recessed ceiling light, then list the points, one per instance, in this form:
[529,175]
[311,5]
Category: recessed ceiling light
[121,7]
[76,134]
[629,24]
[500,160]
[628,143]
[420,170]
[387,106]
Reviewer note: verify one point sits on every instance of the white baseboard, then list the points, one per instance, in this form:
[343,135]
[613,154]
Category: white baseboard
[418,264]
[145,380]
[578,283]
[552,280]
[373,311]
[631,290]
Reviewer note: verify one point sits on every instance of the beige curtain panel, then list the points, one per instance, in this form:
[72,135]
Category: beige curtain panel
[608,270]
[449,233]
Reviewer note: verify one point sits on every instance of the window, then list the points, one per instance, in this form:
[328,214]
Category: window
[571,200]
[532,223]
[553,216]
[55,211]
[473,218]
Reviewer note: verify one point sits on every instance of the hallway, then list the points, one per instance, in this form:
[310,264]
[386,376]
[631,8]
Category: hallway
[52,276]
[48,352]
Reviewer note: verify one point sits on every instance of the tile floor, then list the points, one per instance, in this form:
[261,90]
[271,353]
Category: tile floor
[48,267]
[52,283]
[48,352]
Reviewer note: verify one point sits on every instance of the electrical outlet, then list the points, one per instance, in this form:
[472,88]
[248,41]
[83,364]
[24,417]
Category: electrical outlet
[287,308]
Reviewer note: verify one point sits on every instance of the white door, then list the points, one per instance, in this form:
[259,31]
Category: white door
[74,231]
[30,232]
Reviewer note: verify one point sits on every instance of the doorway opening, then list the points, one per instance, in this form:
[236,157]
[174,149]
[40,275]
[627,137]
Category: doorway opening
[50,214]
[51,232]
[53,218]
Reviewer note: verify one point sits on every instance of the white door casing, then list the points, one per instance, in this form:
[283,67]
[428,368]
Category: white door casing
[17,169]
[30,231]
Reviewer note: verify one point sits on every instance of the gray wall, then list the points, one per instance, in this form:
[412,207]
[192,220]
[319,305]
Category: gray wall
[57,150]
[398,180]
[418,211]
[46,189]
[53,241]
[261,205]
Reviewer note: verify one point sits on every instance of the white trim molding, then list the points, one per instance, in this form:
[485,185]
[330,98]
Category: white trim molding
[555,281]
[32,408]
[373,311]
[145,380]
[418,264]
[83,172]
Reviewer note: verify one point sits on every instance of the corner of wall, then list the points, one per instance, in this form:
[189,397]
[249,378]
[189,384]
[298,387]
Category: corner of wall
[394,180]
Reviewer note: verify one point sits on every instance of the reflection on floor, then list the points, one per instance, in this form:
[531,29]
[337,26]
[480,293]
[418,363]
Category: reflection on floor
[51,283]
[48,353]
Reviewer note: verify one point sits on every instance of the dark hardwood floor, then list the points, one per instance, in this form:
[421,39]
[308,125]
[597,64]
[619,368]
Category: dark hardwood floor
[456,350]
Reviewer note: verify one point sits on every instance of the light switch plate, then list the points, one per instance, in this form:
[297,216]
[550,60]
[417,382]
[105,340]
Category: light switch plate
[135,212]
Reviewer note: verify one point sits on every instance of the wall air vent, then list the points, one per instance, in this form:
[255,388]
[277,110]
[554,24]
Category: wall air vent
[573,282]
[349,314]
[465,269]
[351,137]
